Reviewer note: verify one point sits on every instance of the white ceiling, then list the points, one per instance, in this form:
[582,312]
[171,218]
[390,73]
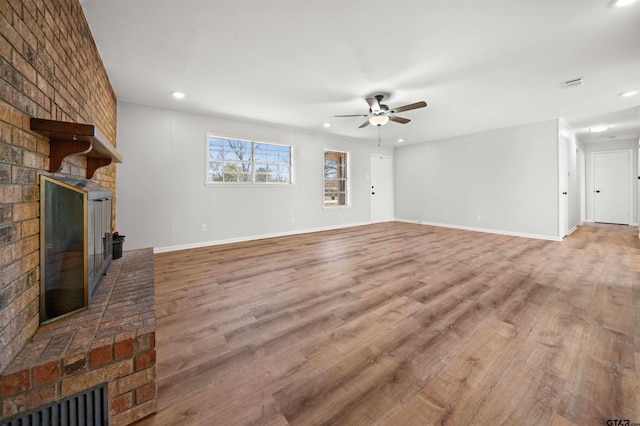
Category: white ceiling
[479,65]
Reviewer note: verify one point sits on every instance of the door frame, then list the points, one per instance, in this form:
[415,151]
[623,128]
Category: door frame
[564,190]
[630,174]
[581,160]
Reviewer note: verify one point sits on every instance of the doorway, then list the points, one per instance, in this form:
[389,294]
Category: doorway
[612,186]
[381,186]
[582,167]
[563,200]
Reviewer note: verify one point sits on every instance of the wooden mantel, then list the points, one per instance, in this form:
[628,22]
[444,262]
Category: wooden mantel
[68,139]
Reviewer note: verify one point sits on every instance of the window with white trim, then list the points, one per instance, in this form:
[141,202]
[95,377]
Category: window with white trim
[241,161]
[336,184]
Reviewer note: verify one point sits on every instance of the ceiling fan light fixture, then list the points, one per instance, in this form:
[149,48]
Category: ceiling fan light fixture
[379,120]
[380,114]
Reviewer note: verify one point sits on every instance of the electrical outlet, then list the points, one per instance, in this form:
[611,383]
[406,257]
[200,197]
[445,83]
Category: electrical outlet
[293,219]
[478,217]
[204,227]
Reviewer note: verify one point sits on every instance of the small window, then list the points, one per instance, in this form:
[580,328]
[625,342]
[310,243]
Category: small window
[336,179]
[238,161]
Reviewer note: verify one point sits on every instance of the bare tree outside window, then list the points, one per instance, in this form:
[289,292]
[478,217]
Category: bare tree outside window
[238,161]
[335,179]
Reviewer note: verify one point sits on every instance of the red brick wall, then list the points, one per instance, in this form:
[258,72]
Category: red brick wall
[113,341]
[49,68]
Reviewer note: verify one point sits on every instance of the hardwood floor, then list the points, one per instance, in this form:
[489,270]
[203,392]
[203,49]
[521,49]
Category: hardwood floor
[401,324]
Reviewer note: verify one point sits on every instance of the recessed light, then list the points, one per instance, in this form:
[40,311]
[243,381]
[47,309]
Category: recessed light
[600,128]
[178,95]
[327,124]
[621,3]
[629,93]
[400,140]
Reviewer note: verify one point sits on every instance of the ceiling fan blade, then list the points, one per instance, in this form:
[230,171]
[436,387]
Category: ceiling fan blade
[365,124]
[420,104]
[352,115]
[373,104]
[400,120]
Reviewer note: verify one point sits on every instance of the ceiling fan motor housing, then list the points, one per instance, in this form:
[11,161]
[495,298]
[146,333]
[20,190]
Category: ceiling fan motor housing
[383,110]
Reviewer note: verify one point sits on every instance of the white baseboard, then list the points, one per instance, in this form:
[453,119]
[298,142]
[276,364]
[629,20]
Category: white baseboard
[592,221]
[572,230]
[252,238]
[489,231]
[329,228]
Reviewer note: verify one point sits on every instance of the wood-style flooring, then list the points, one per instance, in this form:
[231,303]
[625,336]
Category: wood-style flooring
[401,324]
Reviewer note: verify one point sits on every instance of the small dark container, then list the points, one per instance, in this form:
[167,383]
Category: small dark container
[118,241]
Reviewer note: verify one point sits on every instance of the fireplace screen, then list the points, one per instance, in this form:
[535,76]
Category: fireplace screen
[75,241]
[64,249]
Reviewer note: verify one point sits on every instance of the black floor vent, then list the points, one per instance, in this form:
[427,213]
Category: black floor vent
[88,408]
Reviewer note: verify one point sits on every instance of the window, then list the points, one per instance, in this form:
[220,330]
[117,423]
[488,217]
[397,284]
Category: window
[335,179]
[238,161]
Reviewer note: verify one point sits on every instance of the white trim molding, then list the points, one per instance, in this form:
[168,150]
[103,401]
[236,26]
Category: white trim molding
[253,237]
[488,231]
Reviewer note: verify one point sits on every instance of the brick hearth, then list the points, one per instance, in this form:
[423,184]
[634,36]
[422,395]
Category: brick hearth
[113,341]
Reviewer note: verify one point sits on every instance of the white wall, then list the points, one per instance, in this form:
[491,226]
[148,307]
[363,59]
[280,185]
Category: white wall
[507,176]
[590,148]
[162,201]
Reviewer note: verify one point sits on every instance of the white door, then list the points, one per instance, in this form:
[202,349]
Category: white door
[582,165]
[381,185]
[573,196]
[612,182]
[563,202]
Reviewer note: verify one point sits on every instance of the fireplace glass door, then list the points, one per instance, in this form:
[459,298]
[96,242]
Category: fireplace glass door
[100,240]
[64,249]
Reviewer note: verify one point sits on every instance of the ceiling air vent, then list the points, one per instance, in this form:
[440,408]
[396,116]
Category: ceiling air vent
[573,83]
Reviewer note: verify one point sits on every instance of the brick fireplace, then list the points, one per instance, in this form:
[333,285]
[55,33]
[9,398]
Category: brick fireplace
[112,342]
[50,69]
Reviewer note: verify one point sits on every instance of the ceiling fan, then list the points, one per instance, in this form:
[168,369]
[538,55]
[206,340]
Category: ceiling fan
[380,114]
